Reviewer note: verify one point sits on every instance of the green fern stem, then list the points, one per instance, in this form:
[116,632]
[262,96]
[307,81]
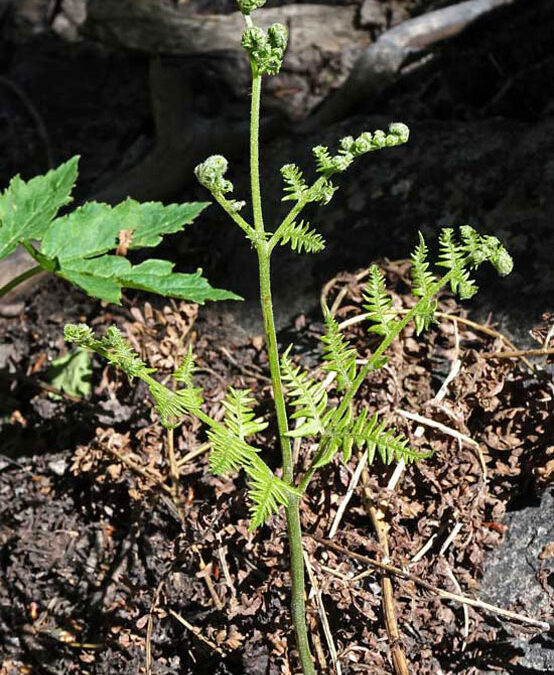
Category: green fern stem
[372,364]
[255,148]
[298,605]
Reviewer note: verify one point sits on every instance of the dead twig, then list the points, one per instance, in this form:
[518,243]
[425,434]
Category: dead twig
[545,626]
[197,633]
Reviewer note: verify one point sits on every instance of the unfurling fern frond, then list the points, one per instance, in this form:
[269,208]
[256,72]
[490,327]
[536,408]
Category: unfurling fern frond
[295,185]
[424,284]
[480,248]
[301,237]
[453,257]
[240,419]
[340,357]
[308,397]
[369,433]
[323,159]
[267,493]
[378,303]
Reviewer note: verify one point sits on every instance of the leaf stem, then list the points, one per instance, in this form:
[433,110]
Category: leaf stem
[298,605]
[20,279]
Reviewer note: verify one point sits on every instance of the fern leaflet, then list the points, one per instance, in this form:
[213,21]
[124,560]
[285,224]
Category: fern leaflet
[378,303]
[301,237]
[339,357]
[424,284]
[267,493]
[308,397]
[295,185]
[366,432]
[239,416]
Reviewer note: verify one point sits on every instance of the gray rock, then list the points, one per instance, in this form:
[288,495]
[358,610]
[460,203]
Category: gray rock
[510,579]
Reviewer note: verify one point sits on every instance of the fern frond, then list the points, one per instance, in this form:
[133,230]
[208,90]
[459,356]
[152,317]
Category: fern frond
[308,397]
[371,434]
[295,185]
[378,303]
[323,160]
[301,237]
[453,257]
[240,419]
[424,284]
[228,453]
[340,357]
[267,493]
[185,372]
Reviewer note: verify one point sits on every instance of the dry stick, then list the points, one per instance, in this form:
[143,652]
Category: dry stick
[150,628]
[144,473]
[517,353]
[545,626]
[458,319]
[377,516]
[348,496]
[197,633]
[173,466]
[193,454]
[464,607]
[208,579]
[323,617]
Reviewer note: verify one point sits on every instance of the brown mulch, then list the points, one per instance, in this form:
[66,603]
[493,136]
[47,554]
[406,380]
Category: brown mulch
[96,558]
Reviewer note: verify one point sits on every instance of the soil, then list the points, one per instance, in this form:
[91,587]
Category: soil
[99,566]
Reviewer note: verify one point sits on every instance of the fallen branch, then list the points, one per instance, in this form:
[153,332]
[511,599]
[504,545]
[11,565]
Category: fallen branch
[545,626]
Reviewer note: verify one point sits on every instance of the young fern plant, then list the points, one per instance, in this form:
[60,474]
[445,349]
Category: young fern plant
[298,398]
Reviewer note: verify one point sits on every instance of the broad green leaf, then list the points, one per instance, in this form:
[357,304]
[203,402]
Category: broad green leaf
[27,207]
[94,228]
[152,219]
[88,231]
[72,372]
[104,277]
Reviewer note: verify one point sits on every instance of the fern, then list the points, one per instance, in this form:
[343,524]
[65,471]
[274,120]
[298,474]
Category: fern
[185,372]
[295,185]
[453,257]
[339,356]
[301,237]
[378,303]
[267,493]
[239,417]
[369,433]
[308,397]
[424,285]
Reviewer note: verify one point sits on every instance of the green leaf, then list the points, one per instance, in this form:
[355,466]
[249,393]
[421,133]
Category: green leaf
[104,277]
[150,220]
[71,373]
[308,397]
[301,237]
[267,493]
[365,432]
[27,207]
[239,416]
[378,303]
[340,357]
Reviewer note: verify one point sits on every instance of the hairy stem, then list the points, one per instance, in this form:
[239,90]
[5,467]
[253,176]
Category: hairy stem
[255,149]
[298,606]
[19,280]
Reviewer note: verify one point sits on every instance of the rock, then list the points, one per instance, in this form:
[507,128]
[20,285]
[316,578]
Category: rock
[372,13]
[510,578]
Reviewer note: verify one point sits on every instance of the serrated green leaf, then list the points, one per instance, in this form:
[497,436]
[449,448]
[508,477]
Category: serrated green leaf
[88,231]
[27,207]
[150,220]
[104,277]
[71,373]
[94,228]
